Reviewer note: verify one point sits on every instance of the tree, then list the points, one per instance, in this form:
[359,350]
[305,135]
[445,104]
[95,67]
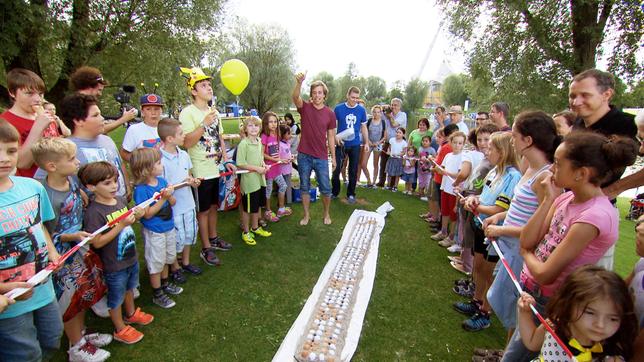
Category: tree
[132,41]
[415,93]
[267,50]
[375,90]
[333,97]
[454,89]
[528,51]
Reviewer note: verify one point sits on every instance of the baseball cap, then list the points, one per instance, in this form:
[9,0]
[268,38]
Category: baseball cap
[151,99]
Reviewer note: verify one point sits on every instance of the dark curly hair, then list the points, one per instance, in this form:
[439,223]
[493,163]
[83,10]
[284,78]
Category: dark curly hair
[75,106]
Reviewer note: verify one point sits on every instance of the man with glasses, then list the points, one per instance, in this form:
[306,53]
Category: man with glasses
[499,113]
[89,81]
[482,118]
[397,118]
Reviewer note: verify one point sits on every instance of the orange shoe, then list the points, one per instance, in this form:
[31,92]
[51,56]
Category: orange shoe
[128,335]
[139,317]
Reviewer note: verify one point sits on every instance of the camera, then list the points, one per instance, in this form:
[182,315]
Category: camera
[123,96]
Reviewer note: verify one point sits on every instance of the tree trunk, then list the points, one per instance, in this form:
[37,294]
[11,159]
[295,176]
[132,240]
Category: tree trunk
[587,31]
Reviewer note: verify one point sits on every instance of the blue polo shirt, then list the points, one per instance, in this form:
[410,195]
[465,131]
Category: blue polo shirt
[350,117]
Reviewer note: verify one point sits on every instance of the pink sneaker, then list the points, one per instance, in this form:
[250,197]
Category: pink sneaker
[270,216]
[284,212]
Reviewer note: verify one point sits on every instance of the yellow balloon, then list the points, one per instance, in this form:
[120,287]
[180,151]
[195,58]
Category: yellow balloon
[234,76]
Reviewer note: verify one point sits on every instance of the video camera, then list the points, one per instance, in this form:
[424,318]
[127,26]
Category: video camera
[123,97]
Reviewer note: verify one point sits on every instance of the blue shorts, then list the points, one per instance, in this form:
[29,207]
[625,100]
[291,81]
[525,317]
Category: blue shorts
[120,282]
[306,164]
[408,177]
[186,227]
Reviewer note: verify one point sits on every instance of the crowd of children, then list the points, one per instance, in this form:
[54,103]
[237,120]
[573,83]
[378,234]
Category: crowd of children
[526,195]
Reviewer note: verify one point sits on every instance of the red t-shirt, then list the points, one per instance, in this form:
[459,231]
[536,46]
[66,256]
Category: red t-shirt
[23,125]
[443,150]
[315,124]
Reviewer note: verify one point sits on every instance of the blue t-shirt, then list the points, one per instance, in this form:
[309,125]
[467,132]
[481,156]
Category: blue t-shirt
[23,247]
[499,191]
[351,117]
[161,222]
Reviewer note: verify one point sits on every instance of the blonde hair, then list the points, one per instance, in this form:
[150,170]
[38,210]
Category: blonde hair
[502,141]
[52,149]
[250,120]
[142,163]
[457,134]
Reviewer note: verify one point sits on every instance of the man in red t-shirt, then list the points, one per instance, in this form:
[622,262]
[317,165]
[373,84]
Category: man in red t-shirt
[26,90]
[316,141]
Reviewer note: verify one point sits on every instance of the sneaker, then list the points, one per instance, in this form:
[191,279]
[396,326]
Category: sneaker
[249,238]
[261,232]
[178,276]
[269,215]
[456,258]
[456,249]
[139,317]
[438,236]
[192,269]
[128,335]
[100,308]
[262,223]
[462,281]
[394,189]
[423,198]
[465,291]
[97,339]
[220,244]
[84,351]
[172,289]
[425,215]
[459,267]
[284,212]
[209,257]
[477,322]
[469,308]
[351,200]
[447,242]
[163,301]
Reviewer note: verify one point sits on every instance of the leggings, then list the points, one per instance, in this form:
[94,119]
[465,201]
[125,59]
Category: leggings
[281,185]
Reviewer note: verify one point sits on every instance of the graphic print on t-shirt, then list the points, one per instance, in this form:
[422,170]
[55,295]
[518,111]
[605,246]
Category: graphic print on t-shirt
[70,219]
[23,251]
[126,239]
[209,141]
[94,154]
[152,143]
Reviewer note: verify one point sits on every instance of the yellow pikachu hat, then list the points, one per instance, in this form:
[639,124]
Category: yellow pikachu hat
[193,75]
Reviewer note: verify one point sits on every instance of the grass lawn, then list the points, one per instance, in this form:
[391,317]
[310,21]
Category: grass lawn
[243,309]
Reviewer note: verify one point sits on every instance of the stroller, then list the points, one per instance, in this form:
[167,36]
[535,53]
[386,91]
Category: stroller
[637,207]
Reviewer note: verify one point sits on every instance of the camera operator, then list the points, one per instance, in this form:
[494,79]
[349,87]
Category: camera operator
[89,81]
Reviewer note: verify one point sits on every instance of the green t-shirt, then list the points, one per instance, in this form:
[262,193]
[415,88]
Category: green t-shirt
[251,154]
[206,154]
[416,137]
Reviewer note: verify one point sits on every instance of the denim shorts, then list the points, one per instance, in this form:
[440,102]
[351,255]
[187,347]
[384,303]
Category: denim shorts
[120,282]
[306,164]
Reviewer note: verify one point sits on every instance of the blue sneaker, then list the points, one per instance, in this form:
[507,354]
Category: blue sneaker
[477,322]
[351,200]
[468,308]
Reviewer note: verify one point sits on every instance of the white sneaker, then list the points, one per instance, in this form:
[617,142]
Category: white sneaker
[100,308]
[455,249]
[84,351]
[423,198]
[98,339]
[447,242]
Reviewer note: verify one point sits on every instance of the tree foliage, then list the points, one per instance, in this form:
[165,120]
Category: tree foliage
[267,50]
[130,41]
[528,51]
[415,93]
[453,89]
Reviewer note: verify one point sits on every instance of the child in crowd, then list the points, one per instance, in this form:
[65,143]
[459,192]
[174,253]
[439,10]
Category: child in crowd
[26,114]
[396,151]
[574,228]
[158,224]
[116,247]
[79,282]
[535,139]
[176,168]
[434,217]
[497,192]
[204,142]
[144,134]
[250,156]
[30,329]
[409,169]
[449,169]
[592,313]
[425,167]
[50,108]
[286,168]
[270,140]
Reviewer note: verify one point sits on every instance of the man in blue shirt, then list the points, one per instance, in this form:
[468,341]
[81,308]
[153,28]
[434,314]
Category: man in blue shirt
[349,115]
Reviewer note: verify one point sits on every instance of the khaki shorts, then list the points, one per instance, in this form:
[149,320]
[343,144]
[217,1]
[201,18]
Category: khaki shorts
[160,249]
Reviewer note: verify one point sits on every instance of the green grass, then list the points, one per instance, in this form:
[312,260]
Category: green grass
[242,310]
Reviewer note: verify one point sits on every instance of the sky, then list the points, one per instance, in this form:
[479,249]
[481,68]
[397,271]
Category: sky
[384,38]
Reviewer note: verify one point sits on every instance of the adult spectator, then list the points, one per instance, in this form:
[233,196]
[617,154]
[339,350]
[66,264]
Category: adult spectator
[482,118]
[589,97]
[393,119]
[350,116]
[440,115]
[144,134]
[316,141]
[499,113]
[89,81]
[564,121]
[456,115]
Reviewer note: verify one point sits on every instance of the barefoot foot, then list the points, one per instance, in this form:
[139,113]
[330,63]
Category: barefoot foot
[327,220]
[304,221]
